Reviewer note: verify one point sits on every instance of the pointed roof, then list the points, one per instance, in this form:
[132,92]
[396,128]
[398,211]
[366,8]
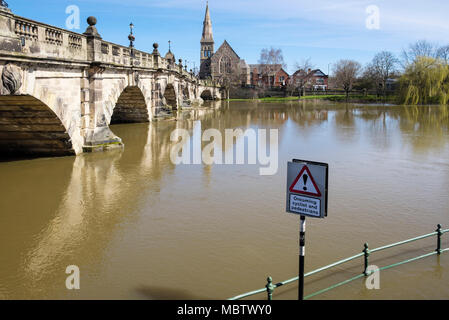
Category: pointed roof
[226,44]
[302,74]
[170,56]
[207,27]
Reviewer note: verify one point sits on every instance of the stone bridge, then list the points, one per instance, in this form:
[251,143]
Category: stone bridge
[60,90]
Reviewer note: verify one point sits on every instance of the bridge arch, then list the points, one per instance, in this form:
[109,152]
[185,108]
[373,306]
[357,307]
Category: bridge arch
[170,96]
[29,127]
[207,95]
[131,107]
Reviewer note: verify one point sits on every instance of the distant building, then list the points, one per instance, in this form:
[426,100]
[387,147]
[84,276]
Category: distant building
[225,64]
[392,84]
[311,80]
[264,75]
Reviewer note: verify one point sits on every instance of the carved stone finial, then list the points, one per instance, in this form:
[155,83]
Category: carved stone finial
[91,30]
[155,46]
[92,21]
[11,79]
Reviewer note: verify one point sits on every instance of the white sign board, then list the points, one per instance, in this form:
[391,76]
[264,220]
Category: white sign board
[307,184]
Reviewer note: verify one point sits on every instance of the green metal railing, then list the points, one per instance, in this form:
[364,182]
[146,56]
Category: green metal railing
[366,252]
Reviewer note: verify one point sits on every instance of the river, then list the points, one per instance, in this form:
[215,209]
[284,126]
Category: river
[140,227]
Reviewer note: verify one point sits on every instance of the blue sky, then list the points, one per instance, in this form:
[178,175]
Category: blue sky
[323,30]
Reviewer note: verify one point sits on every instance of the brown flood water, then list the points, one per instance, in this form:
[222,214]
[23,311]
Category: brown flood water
[139,227]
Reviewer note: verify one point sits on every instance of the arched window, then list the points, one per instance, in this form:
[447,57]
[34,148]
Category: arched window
[225,65]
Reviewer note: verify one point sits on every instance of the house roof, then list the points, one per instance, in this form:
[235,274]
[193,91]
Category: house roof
[243,64]
[273,68]
[303,74]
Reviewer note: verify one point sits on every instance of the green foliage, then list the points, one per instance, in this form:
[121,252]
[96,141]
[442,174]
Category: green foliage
[425,81]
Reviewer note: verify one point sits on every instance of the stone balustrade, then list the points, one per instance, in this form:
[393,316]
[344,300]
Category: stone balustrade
[38,40]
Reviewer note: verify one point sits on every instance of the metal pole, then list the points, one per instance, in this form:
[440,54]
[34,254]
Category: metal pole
[270,288]
[366,255]
[302,244]
[439,233]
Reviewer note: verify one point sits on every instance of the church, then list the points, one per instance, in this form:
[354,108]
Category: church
[224,64]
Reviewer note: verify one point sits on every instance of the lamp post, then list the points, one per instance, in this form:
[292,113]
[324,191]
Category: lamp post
[131,39]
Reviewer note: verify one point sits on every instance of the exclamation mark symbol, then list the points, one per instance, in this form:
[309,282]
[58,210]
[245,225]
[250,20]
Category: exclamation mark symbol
[305,177]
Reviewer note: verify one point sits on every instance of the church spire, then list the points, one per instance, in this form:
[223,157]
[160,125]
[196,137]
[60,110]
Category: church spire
[207,27]
[207,45]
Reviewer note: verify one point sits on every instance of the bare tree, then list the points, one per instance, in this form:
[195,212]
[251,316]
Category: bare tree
[270,59]
[346,72]
[421,48]
[233,77]
[381,69]
[298,82]
[443,53]
[304,64]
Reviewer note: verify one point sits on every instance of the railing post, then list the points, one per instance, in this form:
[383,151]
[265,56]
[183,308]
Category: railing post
[366,252]
[270,288]
[439,233]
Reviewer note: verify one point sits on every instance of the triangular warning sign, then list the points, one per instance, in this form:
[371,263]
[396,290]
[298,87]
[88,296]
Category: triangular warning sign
[305,184]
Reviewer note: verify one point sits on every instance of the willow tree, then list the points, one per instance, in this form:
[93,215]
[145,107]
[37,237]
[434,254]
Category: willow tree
[425,81]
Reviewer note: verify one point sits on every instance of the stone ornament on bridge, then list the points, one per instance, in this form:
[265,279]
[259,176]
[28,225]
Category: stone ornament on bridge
[91,30]
[11,79]
[155,51]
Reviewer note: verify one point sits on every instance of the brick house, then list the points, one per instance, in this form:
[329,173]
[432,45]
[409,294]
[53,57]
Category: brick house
[311,80]
[268,75]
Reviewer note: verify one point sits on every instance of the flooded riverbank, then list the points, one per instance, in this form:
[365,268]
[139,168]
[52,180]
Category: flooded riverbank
[140,227]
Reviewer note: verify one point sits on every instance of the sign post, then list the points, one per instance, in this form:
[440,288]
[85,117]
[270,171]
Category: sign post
[302,248]
[307,188]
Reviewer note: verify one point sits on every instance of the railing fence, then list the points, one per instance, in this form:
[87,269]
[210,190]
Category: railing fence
[366,253]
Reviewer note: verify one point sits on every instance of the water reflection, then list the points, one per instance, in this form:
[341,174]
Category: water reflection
[80,210]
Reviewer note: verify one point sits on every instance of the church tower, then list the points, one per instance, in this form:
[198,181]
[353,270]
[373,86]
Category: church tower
[207,45]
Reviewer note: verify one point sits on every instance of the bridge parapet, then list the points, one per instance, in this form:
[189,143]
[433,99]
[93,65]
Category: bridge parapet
[22,36]
[26,38]
[120,55]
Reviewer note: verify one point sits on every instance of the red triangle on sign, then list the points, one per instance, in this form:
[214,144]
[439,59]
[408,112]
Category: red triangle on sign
[305,184]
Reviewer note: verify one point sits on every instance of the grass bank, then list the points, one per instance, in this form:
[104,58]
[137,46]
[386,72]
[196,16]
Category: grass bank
[334,98]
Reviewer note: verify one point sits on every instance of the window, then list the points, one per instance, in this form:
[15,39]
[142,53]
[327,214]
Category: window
[225,65]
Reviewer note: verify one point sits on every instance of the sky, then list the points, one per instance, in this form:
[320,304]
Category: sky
[323,30]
